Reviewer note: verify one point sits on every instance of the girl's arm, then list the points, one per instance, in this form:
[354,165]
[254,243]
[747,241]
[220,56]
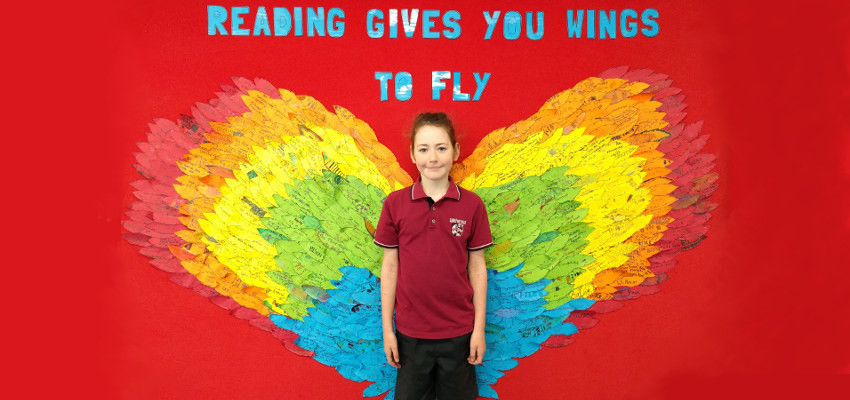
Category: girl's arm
[477,271]
[389,278]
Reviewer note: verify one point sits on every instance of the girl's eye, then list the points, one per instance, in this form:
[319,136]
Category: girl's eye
[422,150]
[442,148]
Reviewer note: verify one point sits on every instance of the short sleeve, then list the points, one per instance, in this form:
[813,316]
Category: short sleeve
[386,234]
[481,237]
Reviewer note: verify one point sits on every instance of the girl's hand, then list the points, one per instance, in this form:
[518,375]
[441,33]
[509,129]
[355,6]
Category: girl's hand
[391,349]
[477,346]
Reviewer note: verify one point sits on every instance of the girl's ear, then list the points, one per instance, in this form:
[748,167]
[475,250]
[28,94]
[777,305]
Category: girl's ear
[411,155]
[457,151]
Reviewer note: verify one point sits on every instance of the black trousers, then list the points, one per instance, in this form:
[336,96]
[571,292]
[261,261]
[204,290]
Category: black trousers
[435,368]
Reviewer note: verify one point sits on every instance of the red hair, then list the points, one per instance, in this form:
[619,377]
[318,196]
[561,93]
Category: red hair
[437,119]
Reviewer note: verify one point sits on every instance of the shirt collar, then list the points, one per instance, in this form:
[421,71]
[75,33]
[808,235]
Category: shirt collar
[416,191]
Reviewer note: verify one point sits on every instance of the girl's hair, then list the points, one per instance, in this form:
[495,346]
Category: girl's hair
[438,119]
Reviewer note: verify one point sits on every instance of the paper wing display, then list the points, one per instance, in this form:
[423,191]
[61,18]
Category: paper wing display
[266,203]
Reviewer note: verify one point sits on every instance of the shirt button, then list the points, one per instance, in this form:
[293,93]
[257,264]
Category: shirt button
[434,208]
[433,221]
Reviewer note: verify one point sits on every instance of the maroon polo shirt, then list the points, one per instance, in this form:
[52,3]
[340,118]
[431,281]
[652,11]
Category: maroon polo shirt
[433,293]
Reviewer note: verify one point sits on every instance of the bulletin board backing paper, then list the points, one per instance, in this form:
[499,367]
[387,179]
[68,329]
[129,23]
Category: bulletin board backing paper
[759,300]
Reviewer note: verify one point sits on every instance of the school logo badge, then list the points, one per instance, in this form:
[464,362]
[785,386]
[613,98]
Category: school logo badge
[457,226]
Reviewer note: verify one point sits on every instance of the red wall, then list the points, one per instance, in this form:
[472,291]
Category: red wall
[759,308]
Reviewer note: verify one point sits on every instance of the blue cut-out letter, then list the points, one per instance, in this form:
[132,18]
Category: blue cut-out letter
[383,77]
[409,20]
[236,21]
[648,18]
[491,23]
[282,21]
[607,24]
[299,21]
[628,29]
[574,25]
[450,21]
[316,21]
[216,15]
[437,84]
[261,22]
[529,26]
[512,25]
[479,84]
[457,95]
[374,29]
[336,28]
[403,86]
[428,23]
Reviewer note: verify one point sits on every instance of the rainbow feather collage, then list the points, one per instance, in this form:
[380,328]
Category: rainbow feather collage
[266,202]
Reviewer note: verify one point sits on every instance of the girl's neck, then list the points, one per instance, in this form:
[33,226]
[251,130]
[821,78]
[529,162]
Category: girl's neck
[435,189]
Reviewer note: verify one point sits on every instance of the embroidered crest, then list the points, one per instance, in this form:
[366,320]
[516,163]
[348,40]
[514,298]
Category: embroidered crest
[457,226]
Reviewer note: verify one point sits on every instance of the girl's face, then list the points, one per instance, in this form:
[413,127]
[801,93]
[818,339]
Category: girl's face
[433,153]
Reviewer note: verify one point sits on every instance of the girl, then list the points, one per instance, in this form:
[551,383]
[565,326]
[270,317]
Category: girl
[433,274]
